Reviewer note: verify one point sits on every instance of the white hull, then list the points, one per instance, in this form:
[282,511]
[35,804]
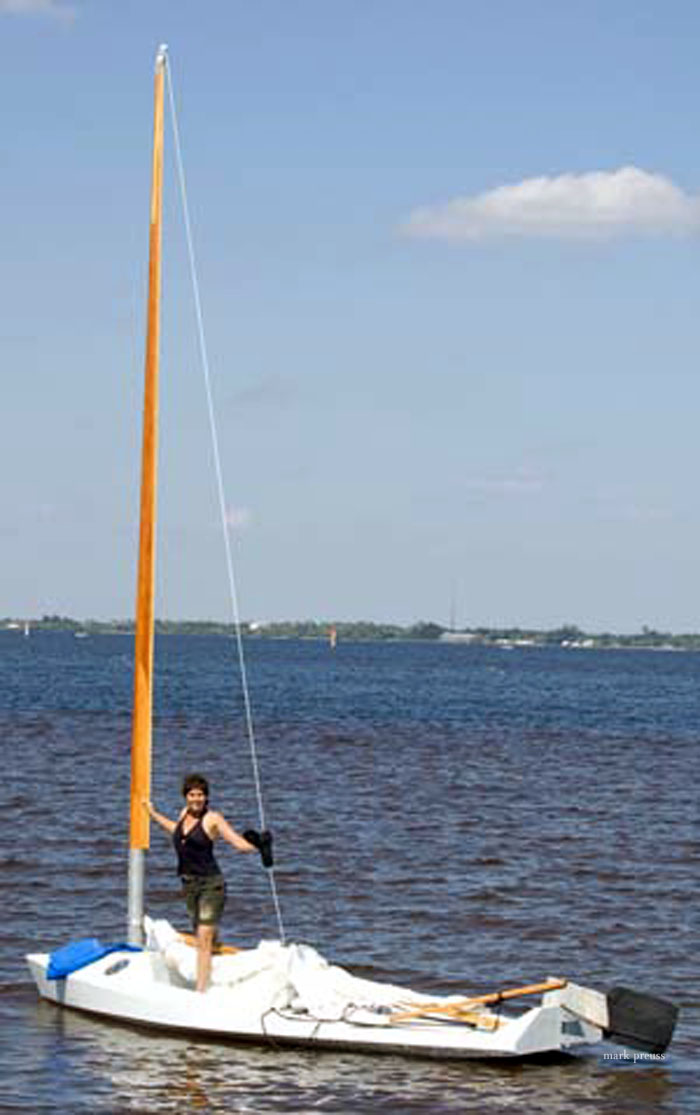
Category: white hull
[138,988]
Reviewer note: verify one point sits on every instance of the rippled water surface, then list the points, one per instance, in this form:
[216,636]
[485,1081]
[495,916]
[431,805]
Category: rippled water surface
[449,817]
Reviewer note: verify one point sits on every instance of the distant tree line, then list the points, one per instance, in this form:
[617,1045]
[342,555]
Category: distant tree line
[567,635]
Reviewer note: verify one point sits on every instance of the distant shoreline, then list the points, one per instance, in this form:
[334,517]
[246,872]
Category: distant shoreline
[568,636]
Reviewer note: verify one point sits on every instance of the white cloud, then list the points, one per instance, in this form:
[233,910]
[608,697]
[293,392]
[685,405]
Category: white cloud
[238,518]
[520,483]
[616,506]
[596,205]
[52,8]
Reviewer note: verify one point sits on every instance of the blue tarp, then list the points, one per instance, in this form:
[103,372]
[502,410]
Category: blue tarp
[79,953]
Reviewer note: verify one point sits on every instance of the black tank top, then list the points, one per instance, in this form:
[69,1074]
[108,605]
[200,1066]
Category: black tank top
[195,850]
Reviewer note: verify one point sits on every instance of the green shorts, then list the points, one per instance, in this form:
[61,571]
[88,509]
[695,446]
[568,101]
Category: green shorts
[206,897]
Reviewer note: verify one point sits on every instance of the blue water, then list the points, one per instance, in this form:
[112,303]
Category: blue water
[450,817]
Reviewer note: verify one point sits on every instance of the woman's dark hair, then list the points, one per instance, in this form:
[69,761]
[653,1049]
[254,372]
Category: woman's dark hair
[195,782]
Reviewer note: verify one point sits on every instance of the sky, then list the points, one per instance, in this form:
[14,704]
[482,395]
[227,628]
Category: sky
[449,264]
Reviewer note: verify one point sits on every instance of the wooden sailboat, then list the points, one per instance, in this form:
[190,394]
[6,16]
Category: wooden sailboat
[288,993]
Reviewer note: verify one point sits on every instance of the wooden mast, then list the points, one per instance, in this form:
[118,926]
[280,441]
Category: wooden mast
[143,647]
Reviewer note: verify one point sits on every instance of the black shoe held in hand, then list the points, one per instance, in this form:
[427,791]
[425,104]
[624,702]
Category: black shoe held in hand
[263,842]
[266,848]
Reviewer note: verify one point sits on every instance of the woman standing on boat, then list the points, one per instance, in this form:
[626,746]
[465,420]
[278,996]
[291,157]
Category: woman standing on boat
[204,887]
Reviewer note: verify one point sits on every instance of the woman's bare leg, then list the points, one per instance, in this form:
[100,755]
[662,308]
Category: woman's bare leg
[205,943]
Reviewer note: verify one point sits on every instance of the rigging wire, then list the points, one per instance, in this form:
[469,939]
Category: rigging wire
[233,591]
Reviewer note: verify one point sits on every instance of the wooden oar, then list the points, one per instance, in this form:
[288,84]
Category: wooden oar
[461,1014]
[464,1006]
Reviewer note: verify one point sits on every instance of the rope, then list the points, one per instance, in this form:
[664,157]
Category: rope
[233,592]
